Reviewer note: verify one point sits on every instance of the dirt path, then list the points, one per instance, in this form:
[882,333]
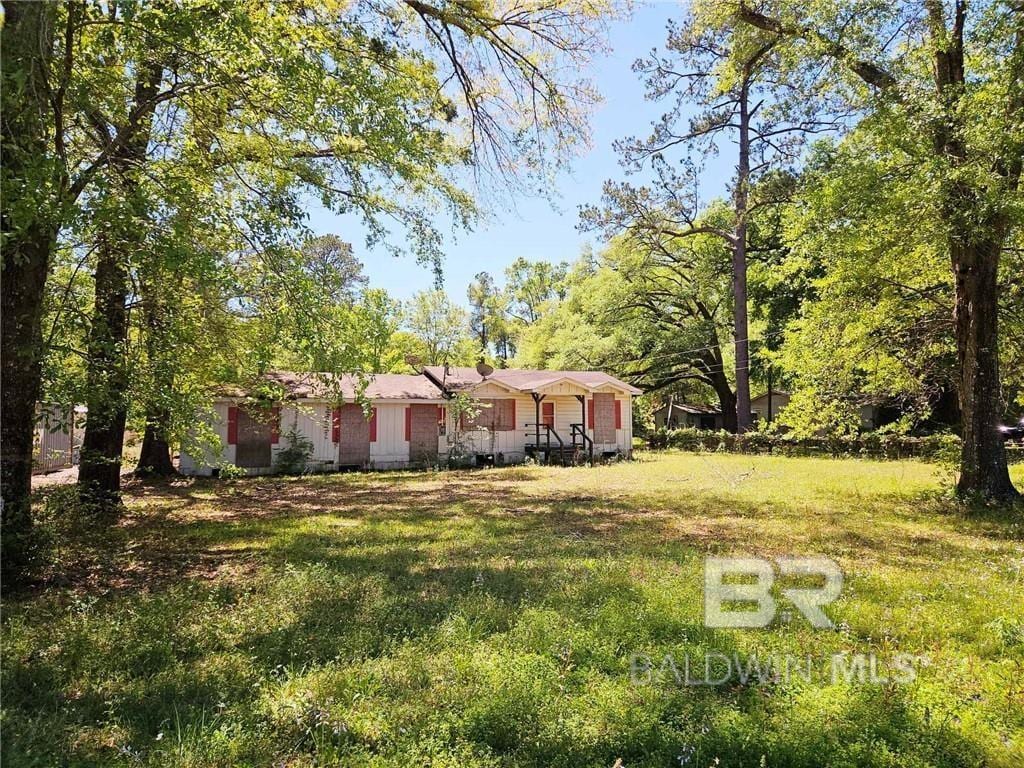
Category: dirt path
[58,477]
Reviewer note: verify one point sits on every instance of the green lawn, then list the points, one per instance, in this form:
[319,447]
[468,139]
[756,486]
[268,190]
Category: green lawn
[490,618]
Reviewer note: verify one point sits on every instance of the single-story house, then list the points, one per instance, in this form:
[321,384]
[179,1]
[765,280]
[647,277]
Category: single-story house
[766,407]
[552,415]
[675,415]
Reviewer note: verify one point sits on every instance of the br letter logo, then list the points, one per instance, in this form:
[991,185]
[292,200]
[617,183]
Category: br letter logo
[808,600]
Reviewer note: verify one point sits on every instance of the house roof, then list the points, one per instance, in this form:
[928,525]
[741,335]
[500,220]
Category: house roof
[329,386]
[456,379]
[694,408]
[781,392]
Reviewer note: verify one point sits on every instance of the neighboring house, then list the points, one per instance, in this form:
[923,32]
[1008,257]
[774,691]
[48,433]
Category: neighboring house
[766,407]
[57,437]
[675,415]
[408,423]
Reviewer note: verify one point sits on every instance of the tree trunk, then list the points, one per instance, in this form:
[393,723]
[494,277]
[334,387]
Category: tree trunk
[99,474]
[30,238]
[155,457]
[26,263]
[975,237]
[983,468]
[727,402]
[739,269]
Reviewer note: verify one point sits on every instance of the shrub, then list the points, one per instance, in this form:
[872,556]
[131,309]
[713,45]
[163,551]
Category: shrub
[294,458]
[941,448]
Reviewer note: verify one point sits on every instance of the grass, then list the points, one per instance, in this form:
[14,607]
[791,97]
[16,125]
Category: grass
[493,618]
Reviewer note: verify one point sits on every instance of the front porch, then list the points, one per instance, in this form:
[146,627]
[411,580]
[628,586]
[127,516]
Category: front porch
[545,444]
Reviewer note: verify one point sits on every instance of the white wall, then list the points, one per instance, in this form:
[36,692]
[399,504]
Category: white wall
[512,444]
[391,449]
[217,419]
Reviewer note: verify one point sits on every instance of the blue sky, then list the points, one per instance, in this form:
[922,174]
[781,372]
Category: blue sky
[539,229]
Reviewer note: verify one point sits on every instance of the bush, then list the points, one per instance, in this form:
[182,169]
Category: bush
[876,445]
[294,459]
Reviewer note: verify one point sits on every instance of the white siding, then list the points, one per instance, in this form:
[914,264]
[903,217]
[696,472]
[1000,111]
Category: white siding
[391,449]
[568,411]
[217,419]
[313,421]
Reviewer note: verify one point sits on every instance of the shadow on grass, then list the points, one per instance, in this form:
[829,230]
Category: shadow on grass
[467,613]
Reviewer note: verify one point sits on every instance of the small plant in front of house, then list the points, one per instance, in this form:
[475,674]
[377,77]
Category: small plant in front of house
[294,458]
[229,471]
[461,408]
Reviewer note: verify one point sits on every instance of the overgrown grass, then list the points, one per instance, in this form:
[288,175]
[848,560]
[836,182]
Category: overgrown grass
[490,618]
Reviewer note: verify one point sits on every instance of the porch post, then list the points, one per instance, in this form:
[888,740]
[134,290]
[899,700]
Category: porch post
[536,421]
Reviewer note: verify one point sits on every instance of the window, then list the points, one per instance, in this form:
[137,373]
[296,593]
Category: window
[497,415]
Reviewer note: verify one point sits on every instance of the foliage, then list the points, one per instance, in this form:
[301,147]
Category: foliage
[150,142]
[294,458]
[439,328]
[461,409]
[875,445]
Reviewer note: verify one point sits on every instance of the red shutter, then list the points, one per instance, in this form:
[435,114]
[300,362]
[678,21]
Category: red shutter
[275,425]
[373,425]
[590,415]
[408,424]
[336,425]
[232,425]
[512,426]
[618,414]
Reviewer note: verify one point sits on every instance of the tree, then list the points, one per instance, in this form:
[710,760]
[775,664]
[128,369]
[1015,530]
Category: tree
[331,262]
[651,316]
[875,323]
[376,330]
[531,284]
[31,220]
[730,73]
[489,317]
[84,82]
[439,327]
[947,83]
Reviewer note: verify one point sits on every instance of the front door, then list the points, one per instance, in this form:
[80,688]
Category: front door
[253,447]
[548,413]
[423,434]
[354,442]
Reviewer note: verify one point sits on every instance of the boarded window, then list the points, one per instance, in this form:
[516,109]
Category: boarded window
[604,417]
[496,414]
[505,415]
